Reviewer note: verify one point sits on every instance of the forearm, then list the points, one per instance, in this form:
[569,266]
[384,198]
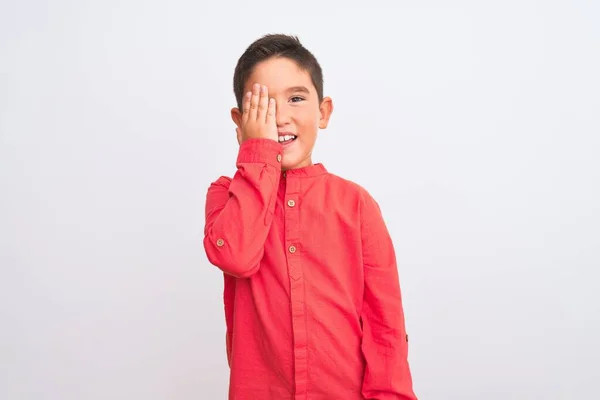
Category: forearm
[385,343]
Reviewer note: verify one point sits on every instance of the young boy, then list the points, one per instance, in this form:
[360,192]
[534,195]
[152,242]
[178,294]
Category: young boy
[312,297]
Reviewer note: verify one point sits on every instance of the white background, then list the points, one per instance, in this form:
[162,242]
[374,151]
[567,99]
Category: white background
[474,124]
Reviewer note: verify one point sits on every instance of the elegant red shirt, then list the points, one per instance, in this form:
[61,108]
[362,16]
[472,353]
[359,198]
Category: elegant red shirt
[312,299]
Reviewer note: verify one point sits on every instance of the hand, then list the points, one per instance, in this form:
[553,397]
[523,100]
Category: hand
[258,118]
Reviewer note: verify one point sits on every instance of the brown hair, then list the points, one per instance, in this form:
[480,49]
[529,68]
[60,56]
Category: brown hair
[275,45]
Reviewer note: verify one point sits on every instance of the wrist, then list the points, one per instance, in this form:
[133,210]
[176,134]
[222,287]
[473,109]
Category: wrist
[260,150]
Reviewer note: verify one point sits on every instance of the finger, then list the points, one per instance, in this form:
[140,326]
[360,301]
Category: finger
[254,102]
[271,111]
[263,103]
[246,107]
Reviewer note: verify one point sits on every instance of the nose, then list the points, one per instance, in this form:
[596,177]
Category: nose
[282,115]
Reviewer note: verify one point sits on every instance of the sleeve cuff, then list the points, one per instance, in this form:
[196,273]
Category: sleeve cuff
[261,151]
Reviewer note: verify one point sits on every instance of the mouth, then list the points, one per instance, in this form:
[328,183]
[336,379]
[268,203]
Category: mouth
[287,138]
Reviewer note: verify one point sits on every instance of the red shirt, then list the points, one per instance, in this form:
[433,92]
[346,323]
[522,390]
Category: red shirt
[312,297]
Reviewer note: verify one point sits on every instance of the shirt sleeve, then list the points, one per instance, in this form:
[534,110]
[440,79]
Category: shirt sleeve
[385,342]
[239,211]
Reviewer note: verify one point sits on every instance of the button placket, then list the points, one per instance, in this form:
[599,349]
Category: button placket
[297,291]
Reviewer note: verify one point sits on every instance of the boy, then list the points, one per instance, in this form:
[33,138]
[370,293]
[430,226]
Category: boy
[312,297]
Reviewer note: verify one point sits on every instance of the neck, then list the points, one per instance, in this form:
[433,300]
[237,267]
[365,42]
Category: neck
[305,163]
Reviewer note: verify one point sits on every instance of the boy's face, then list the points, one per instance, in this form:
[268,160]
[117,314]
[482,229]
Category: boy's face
[298,112]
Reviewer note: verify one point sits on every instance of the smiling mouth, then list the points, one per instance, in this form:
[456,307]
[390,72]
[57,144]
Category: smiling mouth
[286,139]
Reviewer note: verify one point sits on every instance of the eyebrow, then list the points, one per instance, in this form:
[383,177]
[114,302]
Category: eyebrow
[298,89]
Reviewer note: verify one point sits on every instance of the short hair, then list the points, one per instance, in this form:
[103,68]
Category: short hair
[275,45]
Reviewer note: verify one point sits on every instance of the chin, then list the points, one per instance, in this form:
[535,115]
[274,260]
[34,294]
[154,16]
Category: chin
[291,162]
[296,154]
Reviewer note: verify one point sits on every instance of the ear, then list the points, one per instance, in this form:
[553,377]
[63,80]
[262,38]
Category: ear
[325,109]
[236,117]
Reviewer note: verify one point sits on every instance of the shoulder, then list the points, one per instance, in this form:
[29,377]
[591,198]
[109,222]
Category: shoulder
[351,188]
[220,183]
[218,191]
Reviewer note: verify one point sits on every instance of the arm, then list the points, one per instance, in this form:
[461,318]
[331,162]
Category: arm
[385,343]
[239,211]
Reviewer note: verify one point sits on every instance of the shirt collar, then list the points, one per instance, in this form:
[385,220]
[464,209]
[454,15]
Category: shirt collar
[308,171]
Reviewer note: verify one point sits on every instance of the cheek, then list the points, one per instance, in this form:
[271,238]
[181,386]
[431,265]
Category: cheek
[307,118]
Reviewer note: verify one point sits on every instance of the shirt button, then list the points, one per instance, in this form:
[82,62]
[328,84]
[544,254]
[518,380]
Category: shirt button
[292,249]
[291,203]
[278,157]
[220,242]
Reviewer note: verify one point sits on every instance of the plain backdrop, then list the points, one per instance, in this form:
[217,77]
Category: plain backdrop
[474,124]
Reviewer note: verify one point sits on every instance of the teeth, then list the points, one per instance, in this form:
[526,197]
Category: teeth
[286,137]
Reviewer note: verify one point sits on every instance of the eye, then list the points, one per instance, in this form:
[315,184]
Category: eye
[296,99]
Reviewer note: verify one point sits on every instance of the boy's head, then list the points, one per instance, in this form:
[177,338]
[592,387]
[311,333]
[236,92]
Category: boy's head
[295,80]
